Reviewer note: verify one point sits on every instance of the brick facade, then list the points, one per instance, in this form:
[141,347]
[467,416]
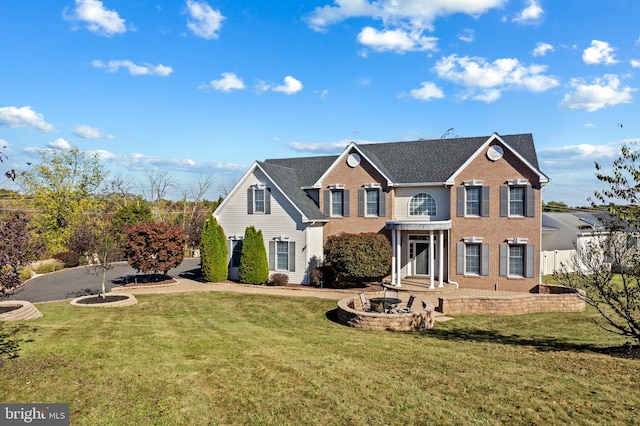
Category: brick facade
[354,179]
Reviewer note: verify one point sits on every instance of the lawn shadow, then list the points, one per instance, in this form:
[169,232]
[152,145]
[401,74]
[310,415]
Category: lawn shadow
[540,343]
[332,316]
[193,274]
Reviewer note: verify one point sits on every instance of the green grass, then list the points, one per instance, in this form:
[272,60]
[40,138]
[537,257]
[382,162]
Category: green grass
[217,358]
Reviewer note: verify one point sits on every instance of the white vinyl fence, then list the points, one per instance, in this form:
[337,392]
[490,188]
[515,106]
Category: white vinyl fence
[550,261]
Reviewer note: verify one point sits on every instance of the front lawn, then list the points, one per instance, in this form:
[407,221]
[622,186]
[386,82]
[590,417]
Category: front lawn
[219,358]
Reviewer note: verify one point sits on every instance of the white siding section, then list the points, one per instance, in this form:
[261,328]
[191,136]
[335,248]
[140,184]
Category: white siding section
[284,221]
[403,197]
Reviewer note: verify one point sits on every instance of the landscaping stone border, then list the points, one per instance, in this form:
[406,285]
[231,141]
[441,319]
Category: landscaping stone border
[130,300]
[27,311]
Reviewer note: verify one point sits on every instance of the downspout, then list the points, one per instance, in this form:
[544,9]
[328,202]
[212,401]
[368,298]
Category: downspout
[306,249]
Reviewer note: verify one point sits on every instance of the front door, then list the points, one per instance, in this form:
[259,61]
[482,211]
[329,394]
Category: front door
[421,259]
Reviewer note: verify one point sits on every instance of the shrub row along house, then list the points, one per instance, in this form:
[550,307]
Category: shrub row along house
[459,210]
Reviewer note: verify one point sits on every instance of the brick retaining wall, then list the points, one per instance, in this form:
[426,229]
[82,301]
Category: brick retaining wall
[511,305]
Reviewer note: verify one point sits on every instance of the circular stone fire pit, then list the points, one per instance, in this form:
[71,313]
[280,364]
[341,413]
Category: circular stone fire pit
[111,300]
[16,310]
[350,313]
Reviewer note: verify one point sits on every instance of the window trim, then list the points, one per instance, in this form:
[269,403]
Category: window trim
[251,199]
[529,265]
[328,201]
[273,254]
[529,199]
[461,260]
[232,242]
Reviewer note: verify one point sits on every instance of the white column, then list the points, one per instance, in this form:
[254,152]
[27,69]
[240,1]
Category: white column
[393,257]
[431,259]
[440,258]
[399,257]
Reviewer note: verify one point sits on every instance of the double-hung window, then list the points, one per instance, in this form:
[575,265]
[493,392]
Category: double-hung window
[258,199]
[371,201]
[282,255]
[336,201]
[472,199]
[472,257]
[517,258]
[517,199]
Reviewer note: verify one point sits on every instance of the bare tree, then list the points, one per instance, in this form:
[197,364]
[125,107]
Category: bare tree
[159,182]
[121,186]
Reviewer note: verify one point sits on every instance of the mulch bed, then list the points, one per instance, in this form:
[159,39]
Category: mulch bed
[95,300]
[144,280]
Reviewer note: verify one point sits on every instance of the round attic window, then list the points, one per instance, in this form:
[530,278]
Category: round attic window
[495,152]
[353,160]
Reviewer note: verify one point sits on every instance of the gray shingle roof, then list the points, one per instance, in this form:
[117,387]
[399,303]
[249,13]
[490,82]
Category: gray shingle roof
[419,161]
[288,180]
[436,160]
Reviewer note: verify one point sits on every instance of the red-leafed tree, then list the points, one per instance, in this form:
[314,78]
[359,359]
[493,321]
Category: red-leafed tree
[16,250]
[154,247]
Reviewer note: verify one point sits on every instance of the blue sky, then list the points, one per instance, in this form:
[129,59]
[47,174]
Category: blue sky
[207,87]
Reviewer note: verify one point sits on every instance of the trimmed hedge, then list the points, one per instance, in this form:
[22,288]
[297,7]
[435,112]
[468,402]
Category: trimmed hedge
[254,265]
[357,257]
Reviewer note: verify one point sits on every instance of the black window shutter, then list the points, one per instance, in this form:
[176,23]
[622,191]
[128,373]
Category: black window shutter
[531,201]
[484,264]
[345,203]
[292,256]
[250,201]
[484,209]
[382,204]
[531,265]
[460,201]
[361,194]
[267,201]
[504,201]
[504,259]
[327,202]
[272,255]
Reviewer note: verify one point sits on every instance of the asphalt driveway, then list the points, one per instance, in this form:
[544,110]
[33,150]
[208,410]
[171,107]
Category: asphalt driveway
[80,281]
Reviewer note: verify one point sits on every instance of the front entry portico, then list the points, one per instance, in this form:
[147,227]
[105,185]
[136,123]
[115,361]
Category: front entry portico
[423,245]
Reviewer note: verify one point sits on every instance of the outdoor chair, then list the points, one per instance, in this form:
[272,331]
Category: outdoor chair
[366,306]
[391,294]
[407,308]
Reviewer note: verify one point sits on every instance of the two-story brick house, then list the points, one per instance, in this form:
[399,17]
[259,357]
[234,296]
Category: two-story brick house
[462,210]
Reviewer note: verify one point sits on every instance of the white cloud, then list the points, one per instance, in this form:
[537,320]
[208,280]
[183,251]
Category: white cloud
[579,152]
[404,22]
[204,21]
[467,35]
[397,40]
[603,92]
[427,91]
[485,81]
[599,53]
[97,19]
[541,49]
[290,86]
[531,14]
[24,117]
[59,143]
[145,69]
[416,14]
[635,63]
[324,147]
[88,132]
[227,83]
